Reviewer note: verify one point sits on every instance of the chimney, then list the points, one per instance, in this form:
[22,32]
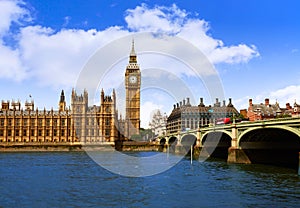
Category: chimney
[288,106]
[201,102]
[188,101]
[180,103]
[183,101]
[174,106]
[230,104]
[177,105]
[267,102]
[224,103]
[250,102]
[217,101]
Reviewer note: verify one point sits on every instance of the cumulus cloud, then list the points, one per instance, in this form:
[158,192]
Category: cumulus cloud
[174,21]
[11,66]
[55,57]
[12,11]
[289,94]
[59,56]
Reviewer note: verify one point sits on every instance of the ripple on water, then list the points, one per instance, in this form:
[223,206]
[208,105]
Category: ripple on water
[74,180]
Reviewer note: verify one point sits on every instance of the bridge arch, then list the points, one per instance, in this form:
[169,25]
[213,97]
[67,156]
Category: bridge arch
[188,141]
[288,128]
[216,144]
[208,132]
[162,141]
[276,145]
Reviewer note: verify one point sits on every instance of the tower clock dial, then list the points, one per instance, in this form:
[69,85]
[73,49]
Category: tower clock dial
[132,79]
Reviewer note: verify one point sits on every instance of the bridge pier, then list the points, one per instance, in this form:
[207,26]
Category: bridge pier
[237,155]
[299,165]
[199,136]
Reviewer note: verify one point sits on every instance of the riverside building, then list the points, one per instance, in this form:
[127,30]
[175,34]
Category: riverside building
[184,116]
[78,123]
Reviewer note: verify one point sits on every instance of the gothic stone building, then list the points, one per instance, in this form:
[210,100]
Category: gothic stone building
[30,125]
[81,122]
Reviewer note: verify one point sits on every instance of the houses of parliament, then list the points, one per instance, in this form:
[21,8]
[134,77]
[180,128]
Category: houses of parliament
[79,122]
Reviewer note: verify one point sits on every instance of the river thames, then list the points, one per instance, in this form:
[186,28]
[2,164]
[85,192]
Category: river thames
[73,179]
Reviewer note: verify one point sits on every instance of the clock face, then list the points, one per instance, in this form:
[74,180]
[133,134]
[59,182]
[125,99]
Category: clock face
[132,79]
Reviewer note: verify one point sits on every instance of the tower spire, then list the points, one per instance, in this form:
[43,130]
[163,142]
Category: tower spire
[132,53]
[132,56]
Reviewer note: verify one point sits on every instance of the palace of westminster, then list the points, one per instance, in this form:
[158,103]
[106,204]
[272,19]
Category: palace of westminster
[88,124]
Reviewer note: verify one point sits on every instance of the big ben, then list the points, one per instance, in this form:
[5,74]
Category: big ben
[132,86]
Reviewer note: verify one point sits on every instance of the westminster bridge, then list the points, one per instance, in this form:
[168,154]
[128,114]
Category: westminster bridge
[275,141]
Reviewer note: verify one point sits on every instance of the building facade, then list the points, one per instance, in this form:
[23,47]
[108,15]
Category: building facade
[80,122]
[184,116]
[132,86]
[263,111]
[158,124]
[30,125]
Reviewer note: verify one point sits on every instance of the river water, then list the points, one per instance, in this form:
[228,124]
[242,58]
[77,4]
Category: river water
[73,179]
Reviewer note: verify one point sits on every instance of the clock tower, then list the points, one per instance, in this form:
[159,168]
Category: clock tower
[132,87]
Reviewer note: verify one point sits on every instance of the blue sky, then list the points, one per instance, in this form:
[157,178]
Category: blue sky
[254,45]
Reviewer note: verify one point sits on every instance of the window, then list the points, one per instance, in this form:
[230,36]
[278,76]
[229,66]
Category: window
[55,132]
[62,132]
[24,132]
[107,122]
[78,132]
[63,122]
[47,132]
[48,122]
[2,122]
[17,132]
[40,122]
[32,132]
[1,132]
[25,121]
[17,122]
[32,122]
[107,132]
[55,122]
[40,132]
[9,122]
[9,132]
[92,132]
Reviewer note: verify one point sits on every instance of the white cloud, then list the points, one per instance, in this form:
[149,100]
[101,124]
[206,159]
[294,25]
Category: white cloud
[288,94]
[55,58]
[10,64]
[11,11]
[174,21]
[158,19]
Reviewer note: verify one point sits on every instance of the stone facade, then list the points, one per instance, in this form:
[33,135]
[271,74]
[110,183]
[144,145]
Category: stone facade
[184,116]
[29,125]
[81,122]
[158,124]
[132,86]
